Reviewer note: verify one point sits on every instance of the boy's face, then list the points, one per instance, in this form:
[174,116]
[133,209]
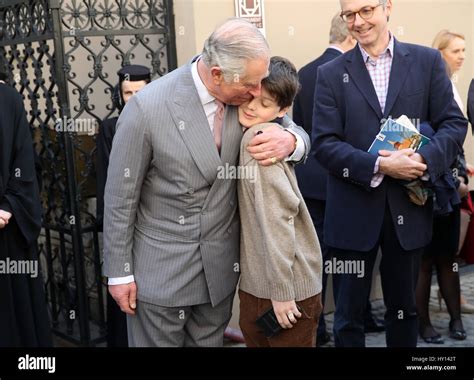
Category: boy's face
[261,109]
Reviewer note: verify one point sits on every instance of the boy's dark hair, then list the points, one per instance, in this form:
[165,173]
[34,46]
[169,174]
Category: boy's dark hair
[282,83]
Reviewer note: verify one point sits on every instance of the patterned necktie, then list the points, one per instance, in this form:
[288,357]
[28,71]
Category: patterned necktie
[218,121]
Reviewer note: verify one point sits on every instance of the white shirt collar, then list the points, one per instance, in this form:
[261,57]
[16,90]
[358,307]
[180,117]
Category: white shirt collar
[366,57]
[203,93]
[336,48]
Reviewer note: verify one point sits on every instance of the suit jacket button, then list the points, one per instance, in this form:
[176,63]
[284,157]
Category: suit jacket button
[190,190]
[229,230]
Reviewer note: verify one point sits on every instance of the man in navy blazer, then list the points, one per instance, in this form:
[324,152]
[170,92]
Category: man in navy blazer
[367,206]
[470,105]
[311,175]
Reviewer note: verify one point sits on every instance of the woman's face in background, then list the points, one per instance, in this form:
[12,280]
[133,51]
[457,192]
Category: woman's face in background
[454,54]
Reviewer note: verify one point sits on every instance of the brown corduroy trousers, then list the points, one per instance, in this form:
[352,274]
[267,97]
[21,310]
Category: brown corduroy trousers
[302,334]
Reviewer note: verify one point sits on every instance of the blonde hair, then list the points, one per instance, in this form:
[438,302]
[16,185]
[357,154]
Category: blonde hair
[442,41]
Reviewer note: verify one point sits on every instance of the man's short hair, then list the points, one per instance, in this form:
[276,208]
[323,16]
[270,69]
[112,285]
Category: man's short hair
[282,83]
[383,2]
[232,45]
[338,32]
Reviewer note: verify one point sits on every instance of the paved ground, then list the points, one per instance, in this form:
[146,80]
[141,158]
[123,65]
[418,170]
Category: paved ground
[439,319]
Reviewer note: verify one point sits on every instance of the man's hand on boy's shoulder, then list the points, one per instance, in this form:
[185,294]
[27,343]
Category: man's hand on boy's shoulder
[274,144]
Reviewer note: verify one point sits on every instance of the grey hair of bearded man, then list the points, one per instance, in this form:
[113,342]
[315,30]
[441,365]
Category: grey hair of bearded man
[231,45]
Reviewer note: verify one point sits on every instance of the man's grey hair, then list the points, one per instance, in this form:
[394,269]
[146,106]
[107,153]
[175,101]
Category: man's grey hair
[232,45]
[383,2]
[338,32]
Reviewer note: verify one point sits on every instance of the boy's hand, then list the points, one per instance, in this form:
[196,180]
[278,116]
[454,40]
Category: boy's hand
[271,146]
[286,313]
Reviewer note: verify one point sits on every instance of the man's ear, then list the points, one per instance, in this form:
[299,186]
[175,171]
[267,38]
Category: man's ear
[216,74]
[389,9]
[283,112]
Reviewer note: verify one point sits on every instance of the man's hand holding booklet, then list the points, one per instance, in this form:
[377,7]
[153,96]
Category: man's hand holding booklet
[400,134]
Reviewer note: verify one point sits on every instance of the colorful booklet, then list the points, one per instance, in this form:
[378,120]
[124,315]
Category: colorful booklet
[396,135]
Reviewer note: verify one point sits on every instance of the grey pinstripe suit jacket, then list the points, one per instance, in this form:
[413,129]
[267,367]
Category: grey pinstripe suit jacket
[168,219]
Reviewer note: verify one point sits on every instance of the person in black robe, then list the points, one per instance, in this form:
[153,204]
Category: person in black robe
[24,320]
[132,79]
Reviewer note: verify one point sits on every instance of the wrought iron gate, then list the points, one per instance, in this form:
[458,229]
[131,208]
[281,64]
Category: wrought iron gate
[62,56]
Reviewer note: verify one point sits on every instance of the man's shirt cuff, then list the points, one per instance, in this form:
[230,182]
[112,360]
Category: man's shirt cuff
[299,149]
[378,177]
[121,280]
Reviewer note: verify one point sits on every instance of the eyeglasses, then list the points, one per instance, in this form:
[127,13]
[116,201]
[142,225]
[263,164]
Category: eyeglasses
[364,13]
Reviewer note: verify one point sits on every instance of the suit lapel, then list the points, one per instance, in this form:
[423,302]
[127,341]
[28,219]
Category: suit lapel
[359,74]
[398,74]
[190,120]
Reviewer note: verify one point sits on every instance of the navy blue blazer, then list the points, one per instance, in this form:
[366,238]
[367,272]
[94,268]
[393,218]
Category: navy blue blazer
[470,105]
[347,117]
[312,177]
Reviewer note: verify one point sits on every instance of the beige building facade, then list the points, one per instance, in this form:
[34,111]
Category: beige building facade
[299,29]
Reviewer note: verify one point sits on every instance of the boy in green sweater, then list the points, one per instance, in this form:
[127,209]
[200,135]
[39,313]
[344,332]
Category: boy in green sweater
[281,263]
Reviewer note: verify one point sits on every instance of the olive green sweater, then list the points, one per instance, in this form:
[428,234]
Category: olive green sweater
[280,256]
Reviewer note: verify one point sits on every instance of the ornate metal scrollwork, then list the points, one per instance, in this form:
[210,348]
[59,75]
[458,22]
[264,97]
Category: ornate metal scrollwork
[66,78]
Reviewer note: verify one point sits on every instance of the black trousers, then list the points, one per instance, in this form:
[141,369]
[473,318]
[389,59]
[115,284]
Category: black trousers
[399,273]
[317,209]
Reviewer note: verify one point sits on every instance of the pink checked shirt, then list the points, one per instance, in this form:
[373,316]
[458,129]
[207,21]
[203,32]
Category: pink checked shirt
[379,71]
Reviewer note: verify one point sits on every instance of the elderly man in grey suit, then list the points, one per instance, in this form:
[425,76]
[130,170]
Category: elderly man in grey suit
[171,225]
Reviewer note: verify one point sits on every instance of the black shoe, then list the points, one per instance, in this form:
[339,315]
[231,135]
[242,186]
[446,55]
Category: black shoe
[430,335]
[457,332]
[373,324]
[323,339]
[433,339]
